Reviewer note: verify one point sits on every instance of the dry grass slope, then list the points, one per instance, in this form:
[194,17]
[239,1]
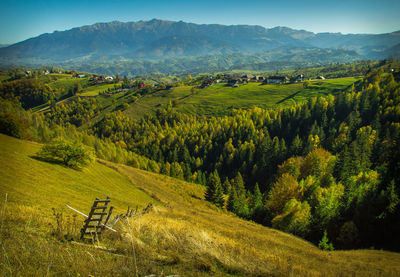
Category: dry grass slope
[182,235]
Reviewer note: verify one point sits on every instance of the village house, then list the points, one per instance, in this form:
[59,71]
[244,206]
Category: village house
[235,81]
[207,83]
[297,79]
[248,77]
[258,79]
[276,80]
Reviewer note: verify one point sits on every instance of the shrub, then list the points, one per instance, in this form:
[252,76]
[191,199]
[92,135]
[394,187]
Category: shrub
[71,154]
[324,243]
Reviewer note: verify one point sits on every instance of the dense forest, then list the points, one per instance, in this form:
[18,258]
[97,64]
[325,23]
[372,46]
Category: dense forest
[326,169]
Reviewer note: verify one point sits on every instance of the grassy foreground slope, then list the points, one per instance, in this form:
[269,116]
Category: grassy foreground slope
[31,182]
[182,235]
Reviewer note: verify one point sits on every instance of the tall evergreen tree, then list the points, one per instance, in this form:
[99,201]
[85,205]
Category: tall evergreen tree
[241,208]
[214,192]
[233,203]
[256,199]
[226,186]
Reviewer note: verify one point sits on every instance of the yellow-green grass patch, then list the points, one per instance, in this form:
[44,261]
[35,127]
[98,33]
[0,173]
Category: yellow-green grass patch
[29,181]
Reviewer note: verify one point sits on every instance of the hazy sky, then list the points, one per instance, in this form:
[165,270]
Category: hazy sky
[20,20]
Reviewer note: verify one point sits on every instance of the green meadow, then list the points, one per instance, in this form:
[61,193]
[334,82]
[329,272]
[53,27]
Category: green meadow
[220,99]
[95,90]
[29,181]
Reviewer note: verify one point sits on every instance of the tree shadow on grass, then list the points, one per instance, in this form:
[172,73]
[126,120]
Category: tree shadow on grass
[54,161]
[288,97]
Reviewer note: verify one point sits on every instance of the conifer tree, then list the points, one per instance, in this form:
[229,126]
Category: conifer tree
[239,202]
[238,184]
[233,201]
[256,199]
[218,195]
[214,192]
[226,186]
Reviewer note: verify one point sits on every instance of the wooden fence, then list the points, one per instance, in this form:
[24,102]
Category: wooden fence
[97,219]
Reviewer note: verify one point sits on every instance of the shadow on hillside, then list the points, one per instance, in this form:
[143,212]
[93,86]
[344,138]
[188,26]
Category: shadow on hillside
[54,161]
[288,97]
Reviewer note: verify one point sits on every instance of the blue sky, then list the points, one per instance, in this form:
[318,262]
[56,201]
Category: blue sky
[22,19]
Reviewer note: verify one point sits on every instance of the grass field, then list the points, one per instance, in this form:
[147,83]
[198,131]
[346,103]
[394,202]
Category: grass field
[95,90]
[28,181]
[219,99]
[182,235]
[64,83]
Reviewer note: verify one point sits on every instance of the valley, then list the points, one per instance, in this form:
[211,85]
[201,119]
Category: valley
[226,150]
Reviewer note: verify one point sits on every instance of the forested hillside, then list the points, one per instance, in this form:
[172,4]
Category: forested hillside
[330,164]
[328,168]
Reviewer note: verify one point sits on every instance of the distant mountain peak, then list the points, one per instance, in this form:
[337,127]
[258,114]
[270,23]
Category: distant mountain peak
[160,39]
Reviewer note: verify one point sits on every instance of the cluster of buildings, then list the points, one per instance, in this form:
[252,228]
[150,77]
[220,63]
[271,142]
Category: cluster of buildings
[236,80]
[96,78]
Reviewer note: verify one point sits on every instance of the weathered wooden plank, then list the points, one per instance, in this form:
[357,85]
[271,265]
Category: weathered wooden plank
[95,219]
[100,213]
[99,207]
[93,233]
[109,215]
[102,201]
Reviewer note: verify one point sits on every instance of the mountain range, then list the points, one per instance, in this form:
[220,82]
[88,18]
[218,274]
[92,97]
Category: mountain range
[155,41]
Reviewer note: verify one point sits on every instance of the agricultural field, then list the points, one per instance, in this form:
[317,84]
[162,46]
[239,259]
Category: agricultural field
[182,235]
[95,90]
[219,99]
[66,82]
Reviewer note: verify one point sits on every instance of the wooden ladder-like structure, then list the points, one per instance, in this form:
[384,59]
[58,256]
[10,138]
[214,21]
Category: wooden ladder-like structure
[97,219]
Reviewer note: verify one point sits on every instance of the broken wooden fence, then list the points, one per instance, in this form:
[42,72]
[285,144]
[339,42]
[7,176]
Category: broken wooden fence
[97,219]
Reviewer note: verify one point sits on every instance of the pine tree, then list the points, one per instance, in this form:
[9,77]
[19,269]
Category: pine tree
[209,195]
[233,203]
[256,199]
[239,202]
[226,186]
[214,192]
[238,184]
[218,195]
